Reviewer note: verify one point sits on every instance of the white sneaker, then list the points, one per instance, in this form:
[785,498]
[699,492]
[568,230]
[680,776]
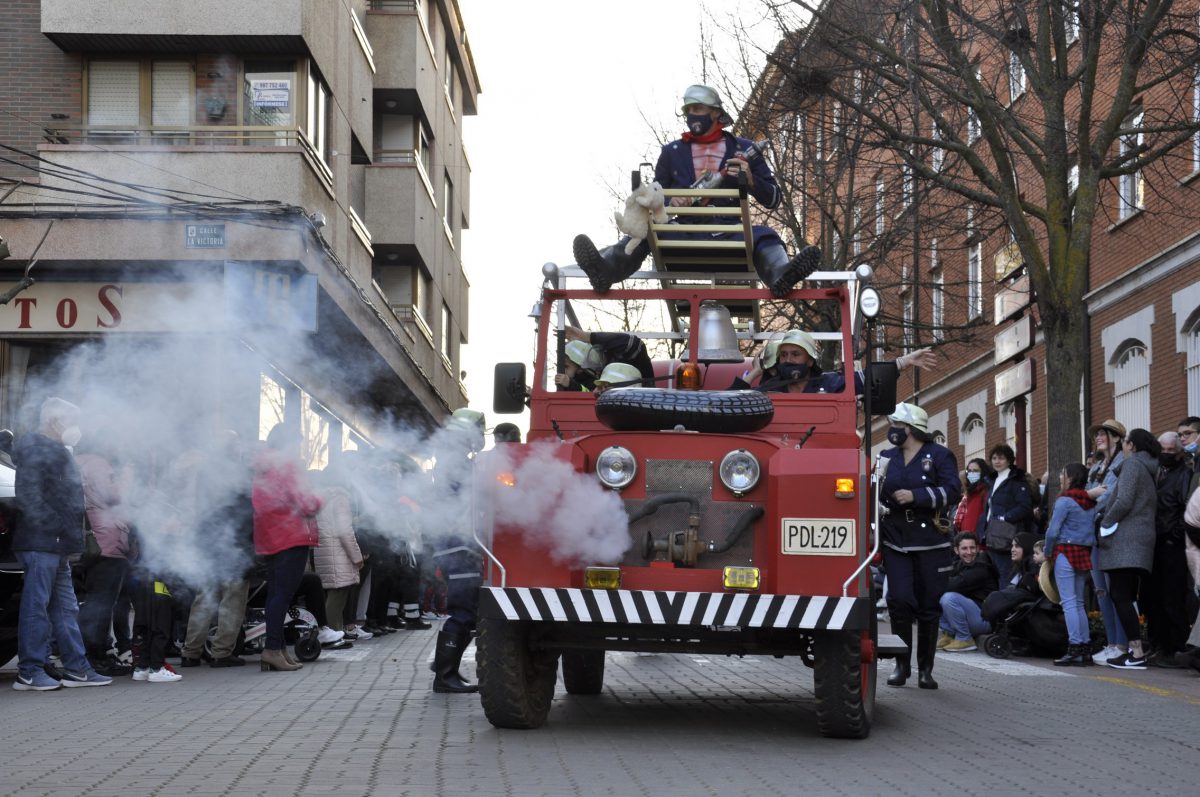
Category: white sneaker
[1109,652]
[327,636]
[163,676]
[363,633]
[140,673]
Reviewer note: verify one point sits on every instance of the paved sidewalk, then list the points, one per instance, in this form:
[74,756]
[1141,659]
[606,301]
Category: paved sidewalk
[364,722]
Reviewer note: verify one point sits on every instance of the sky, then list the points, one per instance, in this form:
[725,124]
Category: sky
[569,106]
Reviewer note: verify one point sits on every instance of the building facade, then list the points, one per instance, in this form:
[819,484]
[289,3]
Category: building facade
[942,260]
[277,187]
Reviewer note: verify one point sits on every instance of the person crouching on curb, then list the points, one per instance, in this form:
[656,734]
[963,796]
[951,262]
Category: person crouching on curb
[972,579]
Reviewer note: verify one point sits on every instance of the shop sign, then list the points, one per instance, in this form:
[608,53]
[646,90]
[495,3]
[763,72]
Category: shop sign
[1014,340]
[204,236]
[258,296]
[1014,382]
[1012,299]
[88,308]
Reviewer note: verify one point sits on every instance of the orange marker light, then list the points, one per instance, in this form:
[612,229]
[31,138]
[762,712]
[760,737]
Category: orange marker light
[844,488]
[507,479]
[688,377]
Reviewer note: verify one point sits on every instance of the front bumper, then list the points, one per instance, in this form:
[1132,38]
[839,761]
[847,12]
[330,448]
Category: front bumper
[670,608]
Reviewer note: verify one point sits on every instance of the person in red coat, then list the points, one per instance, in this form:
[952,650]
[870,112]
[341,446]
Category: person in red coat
[285,508]
[974,496]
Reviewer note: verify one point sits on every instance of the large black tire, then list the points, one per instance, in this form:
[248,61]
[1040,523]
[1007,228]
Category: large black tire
[844,685]
[583,671]
[634,409]
[516,684]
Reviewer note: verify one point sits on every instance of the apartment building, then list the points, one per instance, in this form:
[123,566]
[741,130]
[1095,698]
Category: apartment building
[943,260]
[281,183]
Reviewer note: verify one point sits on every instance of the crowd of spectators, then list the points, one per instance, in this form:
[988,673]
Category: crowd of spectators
[1118,551]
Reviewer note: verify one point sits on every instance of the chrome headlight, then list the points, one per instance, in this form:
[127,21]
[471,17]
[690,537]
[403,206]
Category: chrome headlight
[739,471]
[616,467]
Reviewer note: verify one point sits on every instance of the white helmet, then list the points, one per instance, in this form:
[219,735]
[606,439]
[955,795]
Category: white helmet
[619,373]
[912,415]
[585,355]
[795,337]
[469,423]
[698,94]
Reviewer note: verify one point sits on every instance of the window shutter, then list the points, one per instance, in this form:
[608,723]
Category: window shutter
[113,93]
[171,93]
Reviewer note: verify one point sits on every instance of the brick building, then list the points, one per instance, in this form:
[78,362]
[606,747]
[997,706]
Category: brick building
[295,166]
[942,259]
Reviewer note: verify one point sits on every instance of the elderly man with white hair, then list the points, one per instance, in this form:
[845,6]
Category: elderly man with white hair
[49,498]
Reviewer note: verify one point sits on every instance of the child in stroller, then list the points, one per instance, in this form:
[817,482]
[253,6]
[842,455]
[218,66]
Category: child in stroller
[1024,621]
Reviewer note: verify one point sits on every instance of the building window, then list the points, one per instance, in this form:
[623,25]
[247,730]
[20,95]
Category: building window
[314,433]
[269,94]
[1192,344]
[1016,78]
[1132,186]
[856,232]
[937,293]
[937,155]
[114,97]
[1131,385]
[1196,121]
[908,296]
[906,185]
[973,128]
[424,150]
[449,79]
[879,194]
[446,338]
[272,404]
[114,94]
[317,122]
[974,270]
[973,438]
[1071,23]
[1073,179]
[171,93]
[423,290]
[448,203]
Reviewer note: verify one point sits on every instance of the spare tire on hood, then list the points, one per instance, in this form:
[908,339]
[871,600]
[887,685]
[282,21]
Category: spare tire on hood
[635,409]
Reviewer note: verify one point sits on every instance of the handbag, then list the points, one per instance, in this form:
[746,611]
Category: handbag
[91,548]
[1000,534]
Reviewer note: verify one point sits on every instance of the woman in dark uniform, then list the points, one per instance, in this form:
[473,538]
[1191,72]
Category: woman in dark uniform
[920,485]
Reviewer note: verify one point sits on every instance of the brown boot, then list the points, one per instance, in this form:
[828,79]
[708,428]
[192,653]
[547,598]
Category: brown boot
[291,660]
[276,660]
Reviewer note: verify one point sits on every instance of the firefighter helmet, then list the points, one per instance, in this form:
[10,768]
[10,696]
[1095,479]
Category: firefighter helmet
[618,374]
[585,355]
[699,94]
[912,415]
[795,337]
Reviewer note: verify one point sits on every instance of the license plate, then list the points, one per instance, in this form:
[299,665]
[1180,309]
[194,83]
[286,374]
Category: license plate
[818,536]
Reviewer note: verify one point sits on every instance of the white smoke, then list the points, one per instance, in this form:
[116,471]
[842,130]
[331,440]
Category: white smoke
[555,507]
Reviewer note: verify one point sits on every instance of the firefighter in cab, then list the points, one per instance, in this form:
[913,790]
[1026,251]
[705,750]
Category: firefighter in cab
[456,553]
[919,487]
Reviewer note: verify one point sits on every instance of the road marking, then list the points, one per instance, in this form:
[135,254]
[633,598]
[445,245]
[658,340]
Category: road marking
[1002,666]
[1154,690]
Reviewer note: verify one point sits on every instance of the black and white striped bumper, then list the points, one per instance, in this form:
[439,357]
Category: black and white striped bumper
[703,609]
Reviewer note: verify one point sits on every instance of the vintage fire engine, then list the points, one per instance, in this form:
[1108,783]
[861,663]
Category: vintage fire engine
[750,514]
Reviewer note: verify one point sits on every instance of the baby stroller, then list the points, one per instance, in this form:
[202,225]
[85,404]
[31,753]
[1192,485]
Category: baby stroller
[300,630]
[1023,624]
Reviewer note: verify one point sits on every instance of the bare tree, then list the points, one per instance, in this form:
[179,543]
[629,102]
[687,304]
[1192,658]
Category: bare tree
[1020,112]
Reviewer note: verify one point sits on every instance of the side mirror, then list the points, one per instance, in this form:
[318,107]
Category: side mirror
[508,392]
[881,381]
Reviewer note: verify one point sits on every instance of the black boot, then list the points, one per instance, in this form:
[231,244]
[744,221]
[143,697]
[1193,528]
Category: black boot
[610,264]
[903,666]
[1072,658]
[778,273]
[446,659]
[927,634]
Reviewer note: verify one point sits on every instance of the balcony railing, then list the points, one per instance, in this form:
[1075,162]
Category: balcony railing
[205,136]
[393,5]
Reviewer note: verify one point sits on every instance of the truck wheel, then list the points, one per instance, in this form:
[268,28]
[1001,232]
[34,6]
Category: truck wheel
[652,408]
[583,671]
[516,684]
[844,685]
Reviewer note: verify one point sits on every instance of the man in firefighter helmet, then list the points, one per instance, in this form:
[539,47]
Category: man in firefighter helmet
[456,553]
[707,146]
[584,362]
[792,364]
[618,375]
[919,487]
[589,352]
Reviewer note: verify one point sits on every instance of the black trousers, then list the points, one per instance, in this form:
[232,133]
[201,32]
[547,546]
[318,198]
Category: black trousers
[1123,589]
[101,585]
[153,616]
[915,583]
[313,593]
[1164,599]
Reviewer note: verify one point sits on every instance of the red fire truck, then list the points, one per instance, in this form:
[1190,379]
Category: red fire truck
[750,514]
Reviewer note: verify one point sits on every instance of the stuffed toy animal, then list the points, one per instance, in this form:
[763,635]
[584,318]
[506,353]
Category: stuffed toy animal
[645,203]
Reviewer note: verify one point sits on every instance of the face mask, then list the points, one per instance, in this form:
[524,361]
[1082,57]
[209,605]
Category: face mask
[1168,460]
[1191,447]
[699,123]
[71,436]
[793,372]
[973,476]
[897,436]
[1041,489]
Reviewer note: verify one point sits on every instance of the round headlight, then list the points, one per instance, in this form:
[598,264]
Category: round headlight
[616,467]
[739,471]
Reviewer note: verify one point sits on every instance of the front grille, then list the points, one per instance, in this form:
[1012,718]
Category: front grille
[694,477]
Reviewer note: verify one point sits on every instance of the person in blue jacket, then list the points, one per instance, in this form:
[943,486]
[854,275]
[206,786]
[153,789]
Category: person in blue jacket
[1010,500]
[792,364]
[920,485]
[1070,538]
[707,147]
